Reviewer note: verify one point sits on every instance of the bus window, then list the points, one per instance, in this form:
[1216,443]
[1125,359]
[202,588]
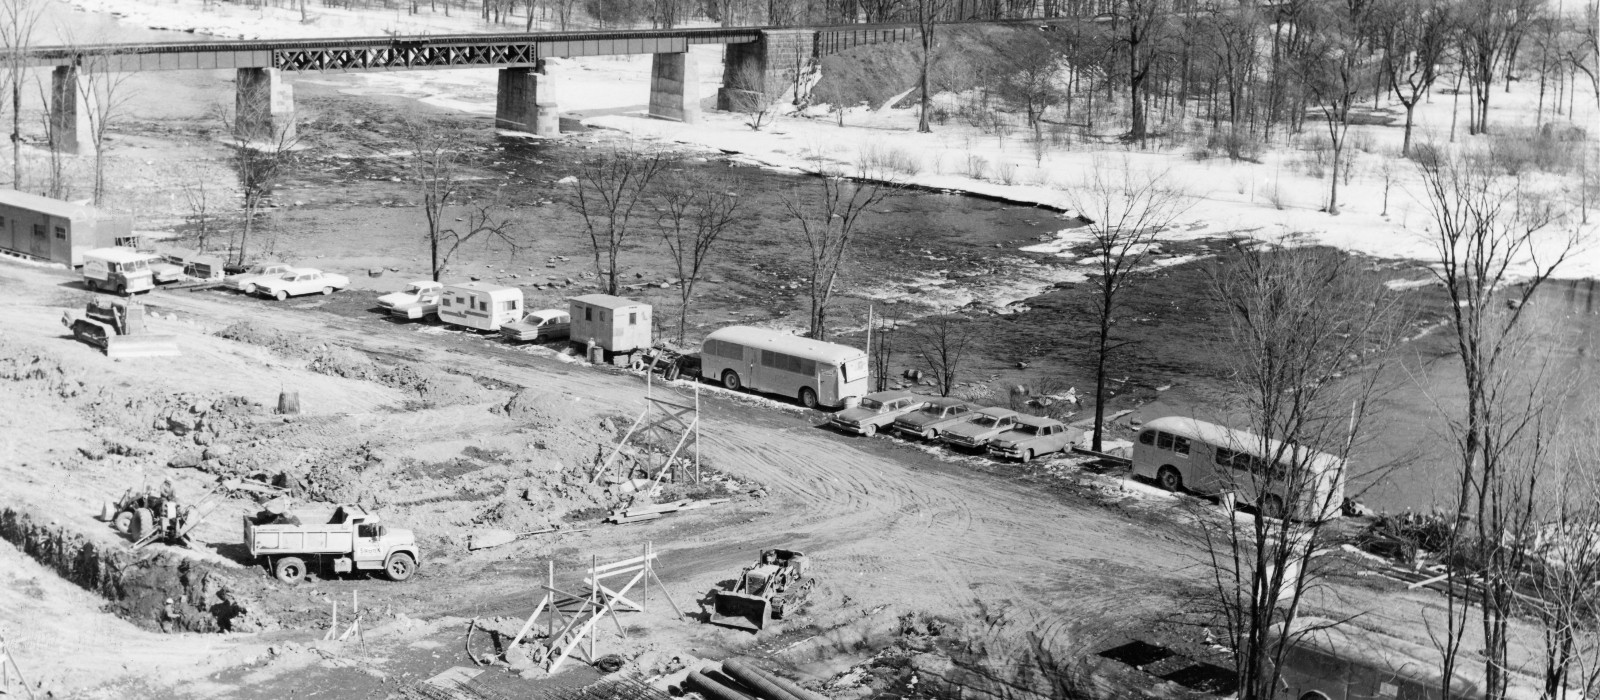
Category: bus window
[1164,441]
[1147,437]
[854,369]
[1180,445]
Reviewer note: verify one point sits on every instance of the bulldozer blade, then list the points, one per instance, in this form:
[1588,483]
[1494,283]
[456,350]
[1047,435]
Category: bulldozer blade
[741,611]
[141,346]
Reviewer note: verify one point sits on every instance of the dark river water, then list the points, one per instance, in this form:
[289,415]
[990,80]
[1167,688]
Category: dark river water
[924,248]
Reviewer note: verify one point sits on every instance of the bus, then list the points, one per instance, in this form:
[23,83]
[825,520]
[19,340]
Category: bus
[814,372]
[1184,453]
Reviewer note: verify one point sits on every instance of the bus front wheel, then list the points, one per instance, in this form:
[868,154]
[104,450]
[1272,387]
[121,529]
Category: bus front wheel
[1168,478]
[730,379]
[808,397]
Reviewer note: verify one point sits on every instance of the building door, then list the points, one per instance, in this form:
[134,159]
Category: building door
[39,246]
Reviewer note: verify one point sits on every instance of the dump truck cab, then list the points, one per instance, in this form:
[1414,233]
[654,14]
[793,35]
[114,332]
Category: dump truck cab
[120,270]
[349,538]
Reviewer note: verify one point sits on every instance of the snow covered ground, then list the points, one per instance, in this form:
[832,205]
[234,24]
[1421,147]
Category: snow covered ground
[1272,200]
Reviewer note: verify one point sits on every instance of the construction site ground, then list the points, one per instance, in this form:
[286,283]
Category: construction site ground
[996,578]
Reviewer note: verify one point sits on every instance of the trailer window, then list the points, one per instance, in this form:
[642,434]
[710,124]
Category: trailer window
[61,233]
[633,318]
[588,314]
[508,305]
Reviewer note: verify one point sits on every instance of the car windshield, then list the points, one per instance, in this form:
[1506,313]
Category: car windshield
[986,421]
[413,289]
[872,404]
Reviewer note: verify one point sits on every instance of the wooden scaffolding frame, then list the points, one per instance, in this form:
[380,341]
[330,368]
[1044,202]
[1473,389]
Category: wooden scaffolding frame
[663,421]
[9,668]
[573,618]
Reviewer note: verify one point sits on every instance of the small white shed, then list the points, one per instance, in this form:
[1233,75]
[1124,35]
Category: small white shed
[616,324]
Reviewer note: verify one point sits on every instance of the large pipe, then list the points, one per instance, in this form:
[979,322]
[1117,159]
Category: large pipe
[713,689]
[794,689]
[756,680]
[790,687]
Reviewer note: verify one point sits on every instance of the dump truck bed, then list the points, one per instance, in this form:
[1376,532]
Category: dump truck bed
[319,538]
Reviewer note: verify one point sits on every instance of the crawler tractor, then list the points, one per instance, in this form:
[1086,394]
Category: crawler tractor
[118,328]
[764,592]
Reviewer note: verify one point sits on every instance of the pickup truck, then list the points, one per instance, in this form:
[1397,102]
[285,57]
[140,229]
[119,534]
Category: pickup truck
[350,538]
[987,425]
[413,292]
[933,419]
[1032,436]
[877,411]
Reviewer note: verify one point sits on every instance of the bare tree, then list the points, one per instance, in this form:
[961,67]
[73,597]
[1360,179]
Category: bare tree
[1419,32]
[1565,572]
[693,212]
[56,182]
[1336,65]
[760,95]
[200,214]
[1302,330]
[944,344]
[18,19]
[828,221]
[435,170]
[103,93]
[1144,29]
[1489,230]
[1124,211]
[611,186]
[260,159]
[927,14]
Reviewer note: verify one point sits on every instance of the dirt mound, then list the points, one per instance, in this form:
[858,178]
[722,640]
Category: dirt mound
[139,586]
[433,387]
[530,406]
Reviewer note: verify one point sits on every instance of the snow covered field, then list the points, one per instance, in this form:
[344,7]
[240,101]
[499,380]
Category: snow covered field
[1273,200]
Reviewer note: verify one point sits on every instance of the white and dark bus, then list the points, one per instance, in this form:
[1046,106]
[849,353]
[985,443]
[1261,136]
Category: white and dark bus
[1184,453]
[812,371]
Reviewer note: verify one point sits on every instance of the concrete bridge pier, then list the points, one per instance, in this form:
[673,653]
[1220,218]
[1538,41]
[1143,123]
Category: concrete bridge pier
[523,104]
[675,87]
[760,74]
[264,106]
[70,106]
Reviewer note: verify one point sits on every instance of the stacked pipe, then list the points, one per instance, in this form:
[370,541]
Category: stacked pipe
[766,685]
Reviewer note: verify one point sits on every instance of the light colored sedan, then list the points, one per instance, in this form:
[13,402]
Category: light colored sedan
[1032,436]
[984,426]
[426,305]
[876,411]
[545,324]
[300,281]
[246,281]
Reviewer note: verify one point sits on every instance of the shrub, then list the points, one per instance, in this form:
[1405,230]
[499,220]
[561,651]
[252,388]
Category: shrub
[1518,151]
[977,167]
[876,156]
[1007,172]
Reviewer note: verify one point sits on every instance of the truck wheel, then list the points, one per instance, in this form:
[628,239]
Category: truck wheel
[144,523]
[730,379]
[1168,478]
[808,397]
[123,522]
[290,570]
[122,288]
[280,295]
[400,566]
[326,291]
[250,289]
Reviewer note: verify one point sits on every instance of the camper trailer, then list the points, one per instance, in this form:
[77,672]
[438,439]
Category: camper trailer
[480,306]
[616,325]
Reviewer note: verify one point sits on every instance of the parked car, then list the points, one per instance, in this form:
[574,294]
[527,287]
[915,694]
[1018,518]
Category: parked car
[1033,436]
[987,425]
[877,411]
[936,416]
[246,281]
[164,268]
[424,305]
[411,293]
[544,324]
[298,281]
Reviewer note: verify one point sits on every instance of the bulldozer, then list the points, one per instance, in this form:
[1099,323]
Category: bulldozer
[118,327]
[763,592]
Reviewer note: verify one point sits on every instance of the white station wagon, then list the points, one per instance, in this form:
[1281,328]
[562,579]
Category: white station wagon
[301,281]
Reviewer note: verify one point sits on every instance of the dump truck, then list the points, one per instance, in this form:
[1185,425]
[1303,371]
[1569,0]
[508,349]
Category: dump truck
[118,328]
[763,592]
[290,542]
